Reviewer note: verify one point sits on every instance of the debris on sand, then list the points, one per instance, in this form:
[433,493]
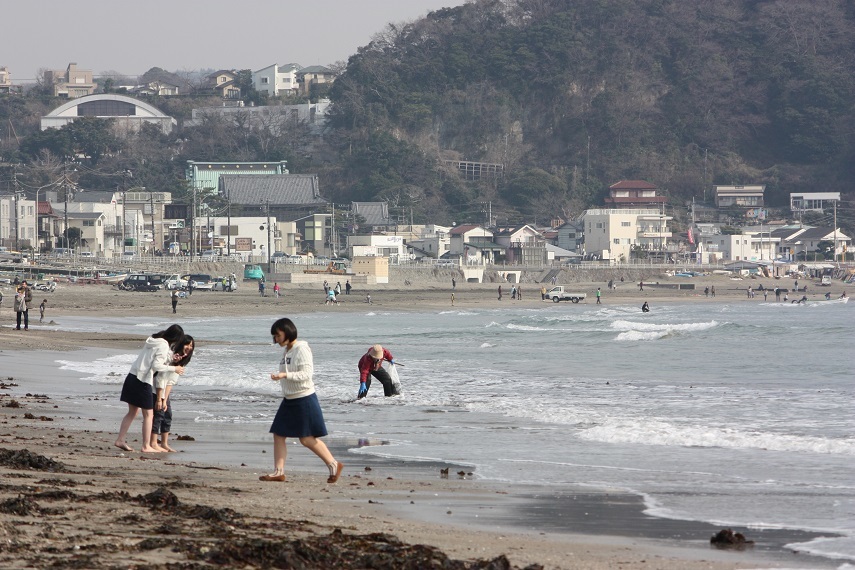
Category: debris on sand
[23,459]
[726,538]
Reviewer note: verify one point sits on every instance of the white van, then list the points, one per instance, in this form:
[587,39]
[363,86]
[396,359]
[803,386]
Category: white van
[825,281]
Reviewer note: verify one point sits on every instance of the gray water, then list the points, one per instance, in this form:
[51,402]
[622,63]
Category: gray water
[734,414]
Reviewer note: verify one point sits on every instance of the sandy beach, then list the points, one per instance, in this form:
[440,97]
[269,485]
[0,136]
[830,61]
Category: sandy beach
[71,499]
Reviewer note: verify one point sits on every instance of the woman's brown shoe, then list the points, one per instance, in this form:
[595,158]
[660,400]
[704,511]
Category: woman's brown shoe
[338,468]
[279,478]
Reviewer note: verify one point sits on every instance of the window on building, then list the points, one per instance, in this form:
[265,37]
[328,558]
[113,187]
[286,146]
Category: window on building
[88,223]
[617,241]
[625,224]
[265,80]
[599,225]
[106,108]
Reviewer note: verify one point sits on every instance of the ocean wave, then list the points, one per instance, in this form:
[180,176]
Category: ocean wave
[638,335]
[652,432]
[634,326]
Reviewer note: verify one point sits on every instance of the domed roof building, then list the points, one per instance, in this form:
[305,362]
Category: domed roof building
[128,114]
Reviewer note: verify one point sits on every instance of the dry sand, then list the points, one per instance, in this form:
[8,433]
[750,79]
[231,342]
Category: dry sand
[104,508]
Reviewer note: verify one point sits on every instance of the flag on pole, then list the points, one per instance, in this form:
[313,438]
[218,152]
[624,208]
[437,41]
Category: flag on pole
[691,237]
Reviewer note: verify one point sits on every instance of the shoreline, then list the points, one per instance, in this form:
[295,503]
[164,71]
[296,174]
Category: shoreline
[558,528]
[461,517]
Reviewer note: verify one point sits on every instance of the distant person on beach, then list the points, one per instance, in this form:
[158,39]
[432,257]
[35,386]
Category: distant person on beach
[156,356]
[42,308]
[453,283]
[331,298]
[23,300]
[182,352]
[842,295]
[598,296]
[513,292]
[712,291]
[645,308]
[368,298]
[261,288]
[347,287]
[706,291]
[174,298]
[452,299]
[543,292]
[299,413]
[337,288]
[777,294]
[519,293]
[827,295]
[500,292]
[641,285]
[371,364]
[276,289]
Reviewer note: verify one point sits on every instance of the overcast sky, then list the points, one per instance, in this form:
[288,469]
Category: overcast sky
[132,37]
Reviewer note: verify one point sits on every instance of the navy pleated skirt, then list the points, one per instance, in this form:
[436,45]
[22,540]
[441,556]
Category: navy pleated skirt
[301,417]
[137,393]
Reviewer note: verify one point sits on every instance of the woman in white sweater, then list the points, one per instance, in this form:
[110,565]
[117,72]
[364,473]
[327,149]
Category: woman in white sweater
[299,414]
[156,356]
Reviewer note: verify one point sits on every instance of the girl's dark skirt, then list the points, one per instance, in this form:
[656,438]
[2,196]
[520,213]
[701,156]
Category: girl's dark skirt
[137,393]
[300,417]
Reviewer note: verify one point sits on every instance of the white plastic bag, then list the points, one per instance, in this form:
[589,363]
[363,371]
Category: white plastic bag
[393,374]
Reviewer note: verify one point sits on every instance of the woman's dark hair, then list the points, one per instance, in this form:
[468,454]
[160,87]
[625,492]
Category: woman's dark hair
[286,326]
[179,346]
[171,335]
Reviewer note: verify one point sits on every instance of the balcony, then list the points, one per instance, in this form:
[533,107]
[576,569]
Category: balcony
[654,234]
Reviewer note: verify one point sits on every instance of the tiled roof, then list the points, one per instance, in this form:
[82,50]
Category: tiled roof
[462,229]
[632,184]
[95,196]
[278,189]
[374,213]
[315,69]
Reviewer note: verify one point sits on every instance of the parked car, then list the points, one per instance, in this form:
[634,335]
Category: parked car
[175,281]
[138,282]
[209,255]
[200,281]
[86,254]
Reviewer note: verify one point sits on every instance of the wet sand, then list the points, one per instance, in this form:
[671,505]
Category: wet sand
[87,513]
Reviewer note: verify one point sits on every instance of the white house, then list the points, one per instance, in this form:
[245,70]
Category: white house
[277,79]
[377,246]
[613,233]
[524,245]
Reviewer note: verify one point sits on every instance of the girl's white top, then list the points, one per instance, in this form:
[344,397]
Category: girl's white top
[155,357]
[298,363]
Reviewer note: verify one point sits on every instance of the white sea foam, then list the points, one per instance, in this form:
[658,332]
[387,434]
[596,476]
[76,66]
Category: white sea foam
[648,431]
[486,345]
[683,327]
[638,335]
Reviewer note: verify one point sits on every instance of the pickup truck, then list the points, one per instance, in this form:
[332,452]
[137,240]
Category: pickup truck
[558,294]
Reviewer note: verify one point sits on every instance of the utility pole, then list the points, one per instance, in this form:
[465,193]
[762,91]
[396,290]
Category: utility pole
[229,225]
[268,236]
[17,208]
[151,205]
[65,212]
[834,251]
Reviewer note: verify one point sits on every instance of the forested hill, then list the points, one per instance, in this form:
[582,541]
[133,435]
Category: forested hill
[573,95]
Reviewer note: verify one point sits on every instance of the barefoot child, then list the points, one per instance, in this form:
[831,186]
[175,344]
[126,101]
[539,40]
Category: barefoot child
[137,389]
[42,311]
[182,352]
[299,414]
